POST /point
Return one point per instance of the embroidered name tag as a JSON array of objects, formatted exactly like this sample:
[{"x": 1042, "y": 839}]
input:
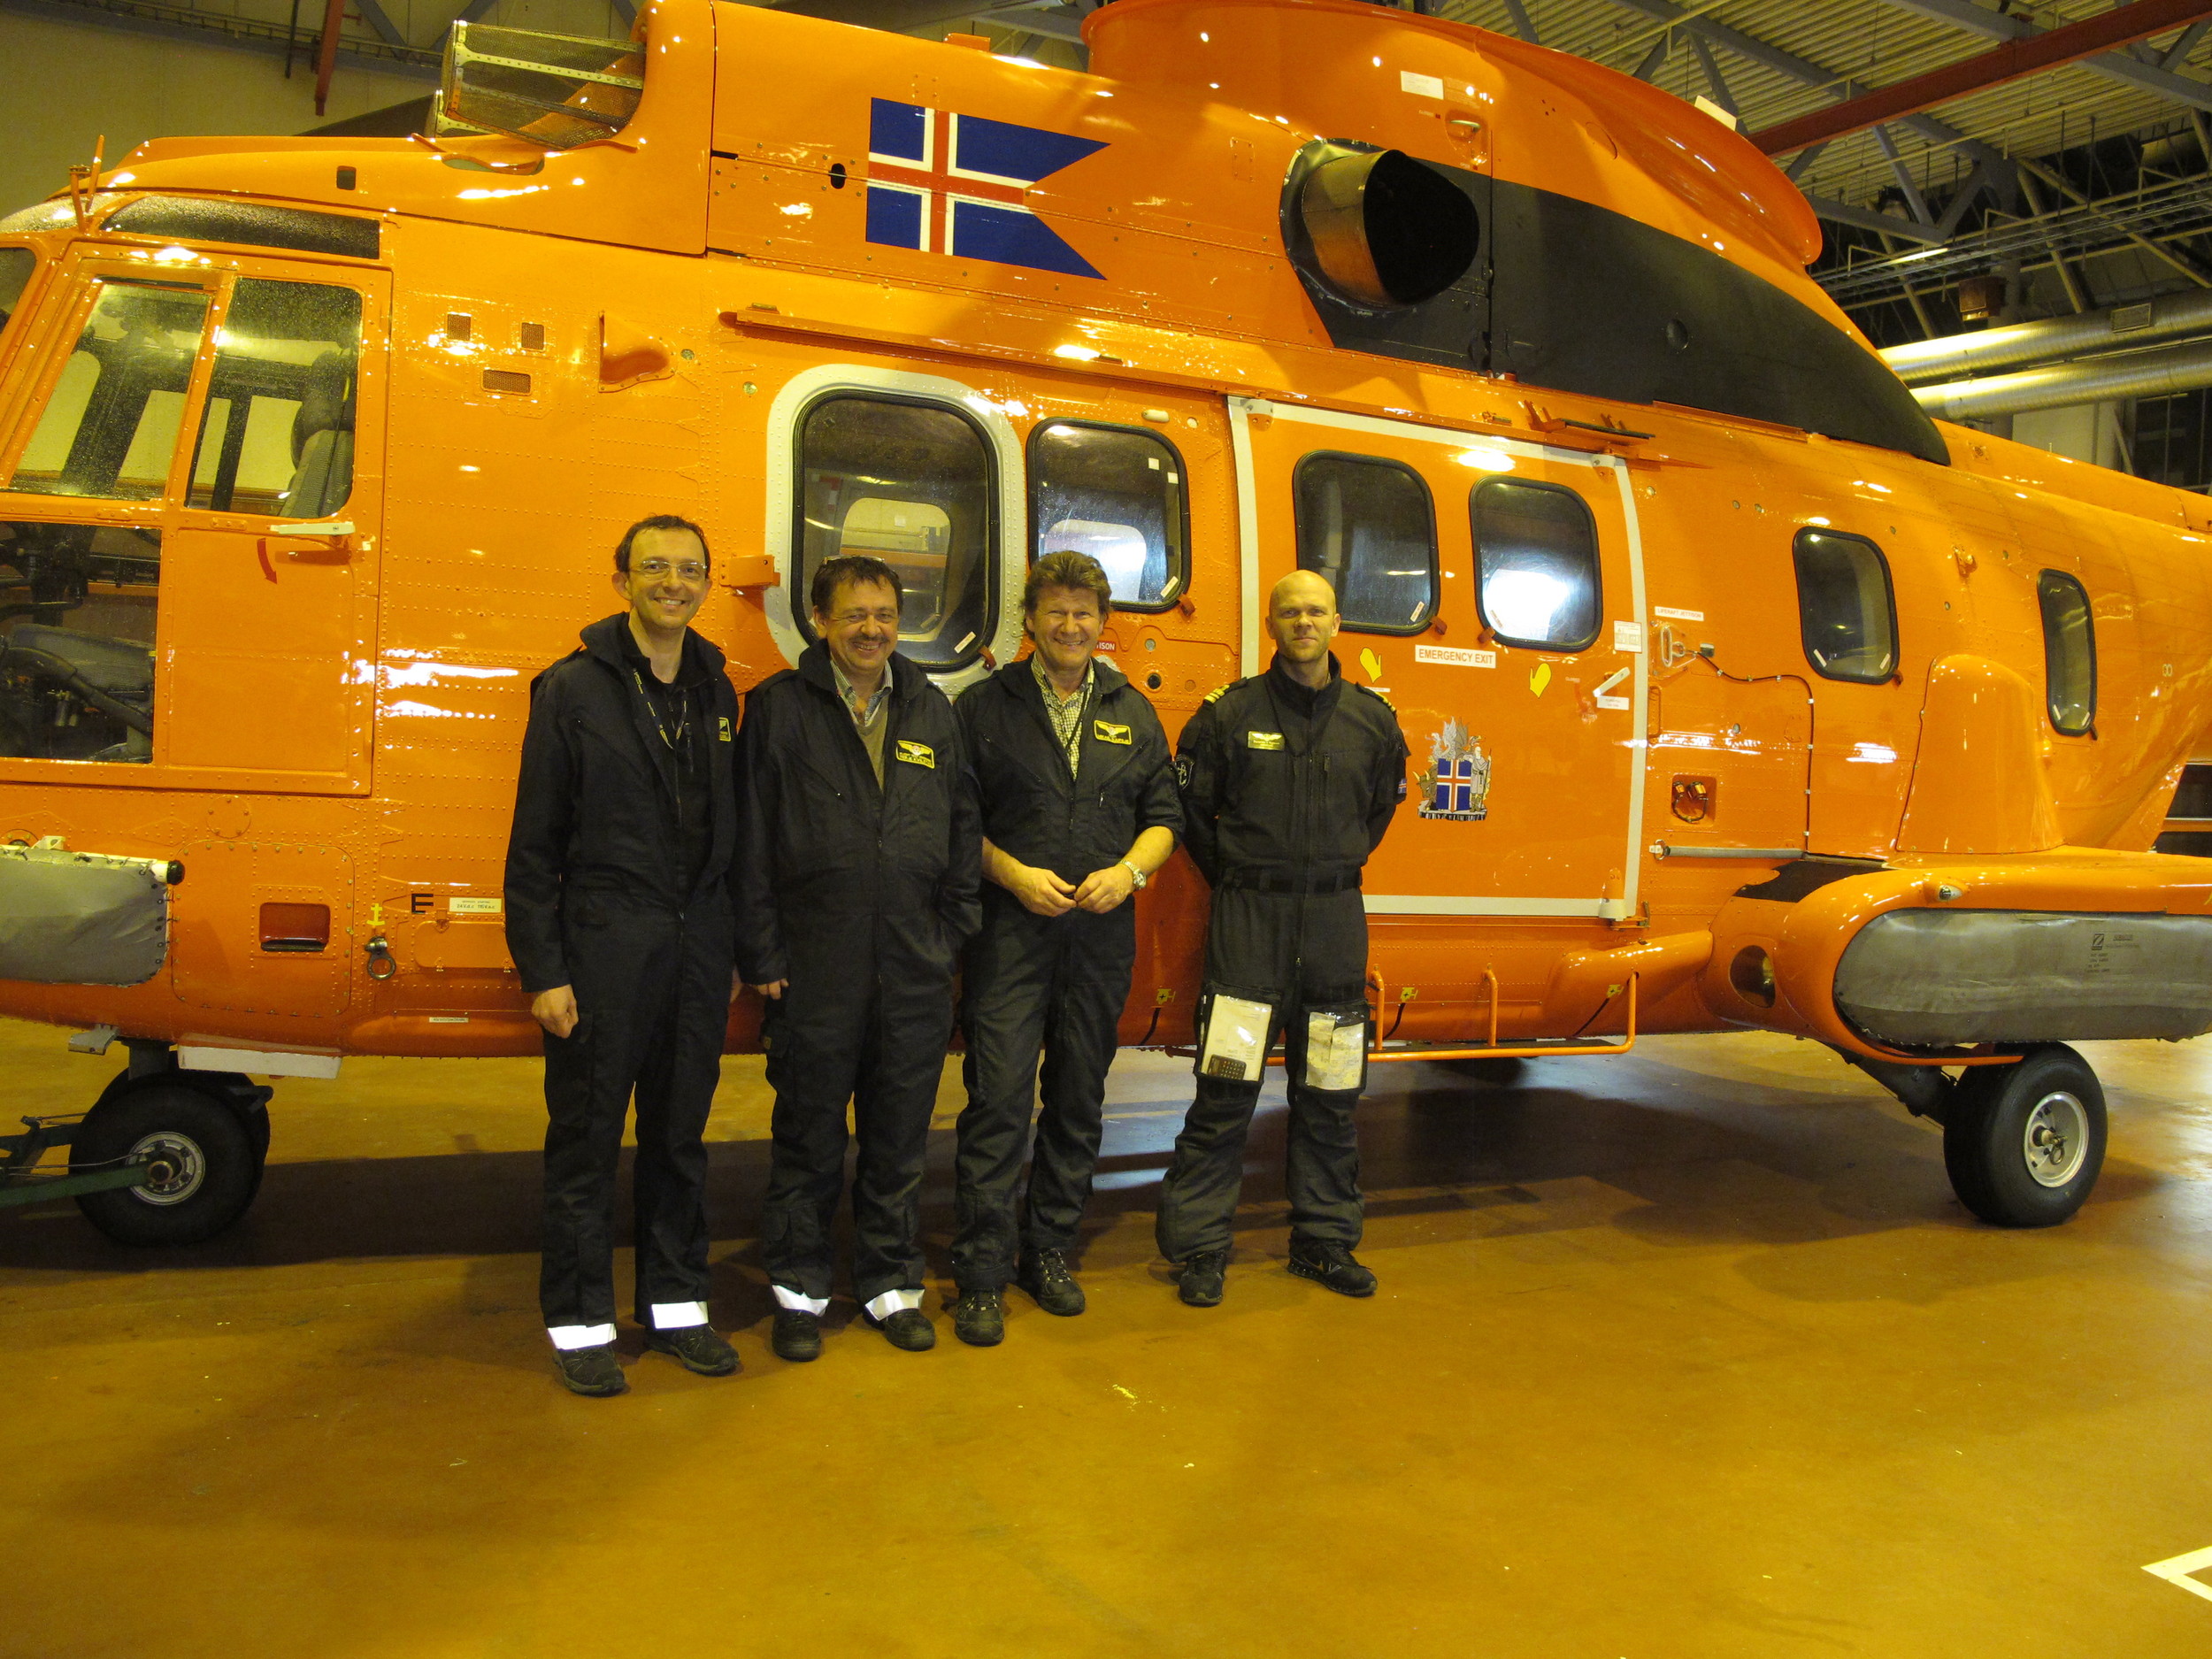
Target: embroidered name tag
[
  {"x": 1107, "y": 731},
  {"x": 1264, "y": 740},
  {"x": 916, "y": 754},
  {"x": 725, "y": 728}
]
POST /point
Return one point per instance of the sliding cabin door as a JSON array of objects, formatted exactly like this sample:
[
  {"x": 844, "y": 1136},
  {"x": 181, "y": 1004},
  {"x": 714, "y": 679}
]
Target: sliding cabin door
[{"x": 1493, "y": 591}]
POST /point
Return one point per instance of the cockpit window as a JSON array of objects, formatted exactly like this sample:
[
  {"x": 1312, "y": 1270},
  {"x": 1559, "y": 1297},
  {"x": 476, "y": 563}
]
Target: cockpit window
[
  {"x": 77, "y": 606},
  {"x": 111, "y": 424},
  {"x": 276, "y": 437},
  {"x": 16, "y": 266}
]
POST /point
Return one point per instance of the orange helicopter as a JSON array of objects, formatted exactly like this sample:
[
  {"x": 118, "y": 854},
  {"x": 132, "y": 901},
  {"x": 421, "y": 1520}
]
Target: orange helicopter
[{"x": 1742, "y": 695}]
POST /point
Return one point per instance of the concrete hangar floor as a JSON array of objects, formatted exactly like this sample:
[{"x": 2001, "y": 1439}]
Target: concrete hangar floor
[{"x": 1689, "y": 1354}]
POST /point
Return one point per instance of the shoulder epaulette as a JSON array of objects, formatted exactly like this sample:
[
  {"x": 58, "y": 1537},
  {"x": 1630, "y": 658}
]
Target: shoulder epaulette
[
  {"x": 1215, "y": 695},
  {"x": 1379, "y": 697}
]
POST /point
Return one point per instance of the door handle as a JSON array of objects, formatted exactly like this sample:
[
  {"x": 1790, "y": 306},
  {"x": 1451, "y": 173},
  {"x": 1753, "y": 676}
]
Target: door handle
[{"x": 343, "y": 528}]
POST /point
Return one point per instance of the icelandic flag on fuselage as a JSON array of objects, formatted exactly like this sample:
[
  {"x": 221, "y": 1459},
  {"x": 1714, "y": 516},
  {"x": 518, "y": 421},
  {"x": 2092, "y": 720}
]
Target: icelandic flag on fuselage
[{"x": 955, "y": 184}]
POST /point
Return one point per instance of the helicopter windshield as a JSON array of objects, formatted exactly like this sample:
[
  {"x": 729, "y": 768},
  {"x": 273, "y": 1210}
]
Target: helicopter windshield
[{"x": 16, "y": 266}]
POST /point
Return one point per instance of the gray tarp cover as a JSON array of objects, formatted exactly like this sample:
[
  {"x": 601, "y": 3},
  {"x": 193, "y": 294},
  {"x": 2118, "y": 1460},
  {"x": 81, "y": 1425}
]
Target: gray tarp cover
[
  {"x": 63, "y": 922},
  {"x": 1924, "y": 976}
]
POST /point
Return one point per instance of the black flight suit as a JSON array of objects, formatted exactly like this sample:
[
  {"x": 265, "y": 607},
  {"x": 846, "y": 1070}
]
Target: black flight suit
[
  {"x": 616, "y": 884},
  {"x": 1055, "y": 983},
  {"x": 859, "y": 895},
  {"x": 1285, "y": 793}
]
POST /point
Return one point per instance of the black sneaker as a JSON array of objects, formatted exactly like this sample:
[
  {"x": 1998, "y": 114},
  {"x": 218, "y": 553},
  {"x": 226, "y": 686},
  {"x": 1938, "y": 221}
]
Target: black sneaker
[
  {"x": 978, "y": 1318},
  {"x": 591, "y": 1370},
  {"x": 696, "y": 1349},
  {"x": 1045, "y": 1276},
  {"x": 1202, "y": 1276},
  {"x": 796, "y": 1334},
  {"x": 1330, "y": 1264},
  {"x": 909, "y": 1328}
]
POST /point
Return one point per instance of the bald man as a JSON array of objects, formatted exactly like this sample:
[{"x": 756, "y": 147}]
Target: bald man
[{"x": 1290, "y": 780}]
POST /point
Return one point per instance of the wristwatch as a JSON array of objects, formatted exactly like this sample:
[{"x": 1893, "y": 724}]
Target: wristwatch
[{"x": 1140, "y": 876}]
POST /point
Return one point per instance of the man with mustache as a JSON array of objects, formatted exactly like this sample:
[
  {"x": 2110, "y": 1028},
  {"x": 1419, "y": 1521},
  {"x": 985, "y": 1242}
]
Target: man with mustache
[{"x": 858, "y": 869}]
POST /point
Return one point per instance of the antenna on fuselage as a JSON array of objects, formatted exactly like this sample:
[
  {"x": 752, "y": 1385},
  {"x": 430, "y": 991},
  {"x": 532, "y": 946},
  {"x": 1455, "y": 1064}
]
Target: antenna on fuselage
[{"x": 84, "y": 182}]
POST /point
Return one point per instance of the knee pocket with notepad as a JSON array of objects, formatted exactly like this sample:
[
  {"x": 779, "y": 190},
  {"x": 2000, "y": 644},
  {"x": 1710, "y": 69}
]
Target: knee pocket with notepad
[
  {"x": 1335, "y": 1054},
  {"x": 1233, "y": 1028}
]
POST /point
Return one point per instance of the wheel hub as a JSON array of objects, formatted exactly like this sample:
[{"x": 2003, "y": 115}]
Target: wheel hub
[
  {"x": 175, "y": 1166},
  {"x": 2056, "y": 1139}
]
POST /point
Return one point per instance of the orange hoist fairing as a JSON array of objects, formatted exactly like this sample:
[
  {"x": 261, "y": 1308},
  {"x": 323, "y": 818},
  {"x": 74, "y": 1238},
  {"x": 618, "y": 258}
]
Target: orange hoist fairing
[{"x": 1741, "y": 693}]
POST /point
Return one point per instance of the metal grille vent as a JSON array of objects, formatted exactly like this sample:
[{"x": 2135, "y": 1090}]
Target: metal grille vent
[{"x": 559, "y": 90}]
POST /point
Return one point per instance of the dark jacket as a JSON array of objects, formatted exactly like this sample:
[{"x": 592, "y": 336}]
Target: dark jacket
[
  {"x": 1033, "y": 809},
  {"x": 823, "y": 846},
  {"x": 595, "y": 810},
  {"x": 1285, "y": 784}
]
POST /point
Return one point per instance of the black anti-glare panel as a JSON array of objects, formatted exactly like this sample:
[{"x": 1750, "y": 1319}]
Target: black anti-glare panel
[
  {"x": 1572, "y": 297},
  {"x": 249, "y": 223}
]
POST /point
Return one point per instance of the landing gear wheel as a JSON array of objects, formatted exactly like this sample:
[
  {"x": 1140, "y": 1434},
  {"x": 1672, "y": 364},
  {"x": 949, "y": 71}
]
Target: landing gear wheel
[
  {"x": 2024, "y": 1143},
  {"x": 203, "y": 1167}
]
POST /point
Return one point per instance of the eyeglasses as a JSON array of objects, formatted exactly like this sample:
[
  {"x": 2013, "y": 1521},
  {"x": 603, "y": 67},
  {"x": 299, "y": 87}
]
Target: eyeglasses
[{"x": 653, "y": 569}]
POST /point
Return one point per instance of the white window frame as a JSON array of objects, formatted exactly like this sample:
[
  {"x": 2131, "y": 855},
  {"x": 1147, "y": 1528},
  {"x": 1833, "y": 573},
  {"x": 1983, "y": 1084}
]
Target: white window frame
[{"x": 809, "y": 387}]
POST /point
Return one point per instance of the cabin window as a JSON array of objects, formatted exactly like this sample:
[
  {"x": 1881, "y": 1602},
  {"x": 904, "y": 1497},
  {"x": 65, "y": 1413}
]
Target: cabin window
[
  {"x": 110, "y": 423},
  {"x": 1116, "y": 494},
  {"x": 2070, "y": 652},
  {"x": 1366, "y": 525},
  {"x": 910, "y": 483},
  {"x": 1536, "y": 565},
  {"x": 77, "y": 613},
  {"x": 1845, "y": 607},
  {"x": 276, "y": 438}
]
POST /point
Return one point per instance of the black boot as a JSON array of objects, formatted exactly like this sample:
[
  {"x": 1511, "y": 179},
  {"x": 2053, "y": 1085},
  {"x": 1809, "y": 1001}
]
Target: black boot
[
  {"x": 696, "y": 1349},
  {"x": 796, "y": 1334},
  {"x": 1045, "y": 1276},
  {"x": 593, "y": 1371},
  {"x": 1330, "y": 1264},
  {"x": 1202, "y": 1276},
  {"x": 978, "y": 1318}
]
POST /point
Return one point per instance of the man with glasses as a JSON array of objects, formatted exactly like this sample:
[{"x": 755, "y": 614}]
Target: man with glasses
[
  {"x": 1078, "y": 810},
  {"x": 619, "y": 917},
  {"x": 858, "y": 873}
]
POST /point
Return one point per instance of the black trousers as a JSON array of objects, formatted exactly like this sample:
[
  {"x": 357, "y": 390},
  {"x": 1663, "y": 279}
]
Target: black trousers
[
  {"x": 1305, "y": 957},
  {"x": 653, "y": 1002},
  {"x": 866, "y": 1025},
  {"x": 1048, "y": 987}
]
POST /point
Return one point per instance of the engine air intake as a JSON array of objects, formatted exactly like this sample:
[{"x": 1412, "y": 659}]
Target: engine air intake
[{"x": 1379, "y": 228}]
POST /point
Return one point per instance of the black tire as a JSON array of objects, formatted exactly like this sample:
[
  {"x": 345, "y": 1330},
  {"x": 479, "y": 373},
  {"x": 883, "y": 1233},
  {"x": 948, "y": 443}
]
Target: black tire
[
  {"x": 205, "y": 1151},
  {"x": 2024, "y": 1143},
  {"x": 1498, "y": 1073}
]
